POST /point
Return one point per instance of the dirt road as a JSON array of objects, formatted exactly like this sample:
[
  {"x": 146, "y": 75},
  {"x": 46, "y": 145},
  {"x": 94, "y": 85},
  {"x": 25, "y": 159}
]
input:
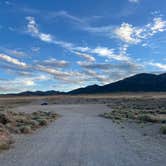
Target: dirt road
[{"x": 82, "y": 138}]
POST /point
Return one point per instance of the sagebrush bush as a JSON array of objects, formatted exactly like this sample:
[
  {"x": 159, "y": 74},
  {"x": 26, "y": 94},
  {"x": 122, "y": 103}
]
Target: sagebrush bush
[{"x": 163, "y": 129}]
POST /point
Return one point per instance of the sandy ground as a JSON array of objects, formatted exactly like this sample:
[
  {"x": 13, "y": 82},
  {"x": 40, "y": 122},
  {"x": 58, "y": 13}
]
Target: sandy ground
[{"x": 82, "y": 138}]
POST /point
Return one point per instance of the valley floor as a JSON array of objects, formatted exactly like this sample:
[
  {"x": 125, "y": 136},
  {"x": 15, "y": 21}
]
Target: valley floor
[{"x": 81, "y": 138}]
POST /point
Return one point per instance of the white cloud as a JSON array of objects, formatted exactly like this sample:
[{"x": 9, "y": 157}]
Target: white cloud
[
  {"x": 28, "y": 82},
  {"x": 52, "y": 71},
  {"x": 11, "y": 60},
  {"x": 101, "y": 78},
  {"x": 134, "y": 1},
  {"x": 65, "y": 14},
  {"x": 81, "y": 51},
  {"x": 158, "y": 25},
  {"x": 134, "y": 35},
  {"x": 86, "y": 53},
  {"x": 109, "y": 53},
  {"x": 158, "y": 65},
  {"x": 63, "y": 76},
  {"x": 35, "y": 49},
  {"x": 21, "y": 83},
  {"x": 33, "y": 29},
  {"x": 88, "y": 57},
  {"x": 128, "y": 33},
  {"x": 54, "y": 62},
  {"x": 15, "y": 52}
]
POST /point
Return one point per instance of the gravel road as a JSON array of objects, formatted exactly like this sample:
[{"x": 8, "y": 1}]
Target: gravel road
[{"x": 81, "y": 138}]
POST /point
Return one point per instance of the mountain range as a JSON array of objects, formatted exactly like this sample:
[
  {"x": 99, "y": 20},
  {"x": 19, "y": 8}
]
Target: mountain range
[{"x": 143, "y": 82}]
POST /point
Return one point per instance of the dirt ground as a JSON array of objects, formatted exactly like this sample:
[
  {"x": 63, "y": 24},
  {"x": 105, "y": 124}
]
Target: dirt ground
[
  {"x": 81, "y": 137},
  {"x": 147, "y": 102}
]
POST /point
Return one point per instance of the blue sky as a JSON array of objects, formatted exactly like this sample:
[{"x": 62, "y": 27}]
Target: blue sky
[{"x": 63, "y": 45}]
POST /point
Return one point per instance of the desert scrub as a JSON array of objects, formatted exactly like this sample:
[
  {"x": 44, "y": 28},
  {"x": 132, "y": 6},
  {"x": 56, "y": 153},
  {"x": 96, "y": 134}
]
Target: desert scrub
[
  {"x": 120, "y": 115},
  {"x": 163, "y": 130},
  {"x": 21, "y": 123},
  {"x": 25, "y": 129},
  {"x": 4, "y": 145},
  {"x": 34, "y": 124},
  {"x": 42, "y": 122},
  {"x": 153, "y": 118},
  {"x": 147, "y": 118},
  {"x": 5, "y": 138},
  {"x": 141, "y": 116}
]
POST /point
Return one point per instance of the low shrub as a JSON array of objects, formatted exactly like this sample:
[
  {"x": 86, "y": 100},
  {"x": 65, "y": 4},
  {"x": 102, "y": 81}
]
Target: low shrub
[
  {"x": 4, "y": 145},
  {"x": 21, "y": 123},
  {"x": 25, "y": 129},
  {"x": 163, "y": 130},
  {"x": 42, "y": 122},
  {"x": 146, "y": 118}
]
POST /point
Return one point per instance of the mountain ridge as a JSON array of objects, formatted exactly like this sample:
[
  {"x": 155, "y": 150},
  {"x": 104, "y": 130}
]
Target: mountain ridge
[{"x": 143, "y": 82}]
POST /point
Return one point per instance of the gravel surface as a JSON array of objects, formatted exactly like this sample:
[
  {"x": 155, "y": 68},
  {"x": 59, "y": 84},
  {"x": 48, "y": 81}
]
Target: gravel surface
[{"x": 82, "y": 138}]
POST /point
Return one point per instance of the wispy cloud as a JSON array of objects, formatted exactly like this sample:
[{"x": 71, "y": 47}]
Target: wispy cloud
[
  {"x": 108, "y": 66},
  {"x": 54, "y": 63},
  {"x": 21, "y": 83},
  {"x": 12, "y": 60},
  {"x": 65, "y": 14},
  {"x": 134, "y": 1},
  {"x": 14, "y": 52},
  {"x": 129, "y": 33},
  {"x": 109, "y": 53},
  {"x": 87, "y": 57},
  {"x": 158, "y": 65},
  {"x": 78, "y": 50},
  {"x": 90, "y": 68},
  {"x": 35, "y": 49},
  {"x": 134, "y": 35},
  {"x": 33, "y": 29}
]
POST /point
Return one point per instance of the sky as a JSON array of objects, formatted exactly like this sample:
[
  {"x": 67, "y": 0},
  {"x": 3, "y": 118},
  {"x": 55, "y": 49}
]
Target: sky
[{"x": 63, "y": 45}]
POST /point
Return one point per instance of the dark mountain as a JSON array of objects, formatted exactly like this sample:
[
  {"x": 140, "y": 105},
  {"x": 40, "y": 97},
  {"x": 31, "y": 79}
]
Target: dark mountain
[
  {"x": 138, "y": 83},
  {"x": 38, "y": 93},
  {"x": 87, "y": 90}
]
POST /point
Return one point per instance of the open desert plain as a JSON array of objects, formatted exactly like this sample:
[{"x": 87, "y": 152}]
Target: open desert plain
[
  {"x": 82, "y": 83},
  {"x": 126, "y": 129}
]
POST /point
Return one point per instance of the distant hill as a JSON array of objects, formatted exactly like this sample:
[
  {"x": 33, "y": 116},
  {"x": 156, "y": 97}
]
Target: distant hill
[
  {"x": 37, "y": 93},
  {"x": 138, "y": 83}
]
